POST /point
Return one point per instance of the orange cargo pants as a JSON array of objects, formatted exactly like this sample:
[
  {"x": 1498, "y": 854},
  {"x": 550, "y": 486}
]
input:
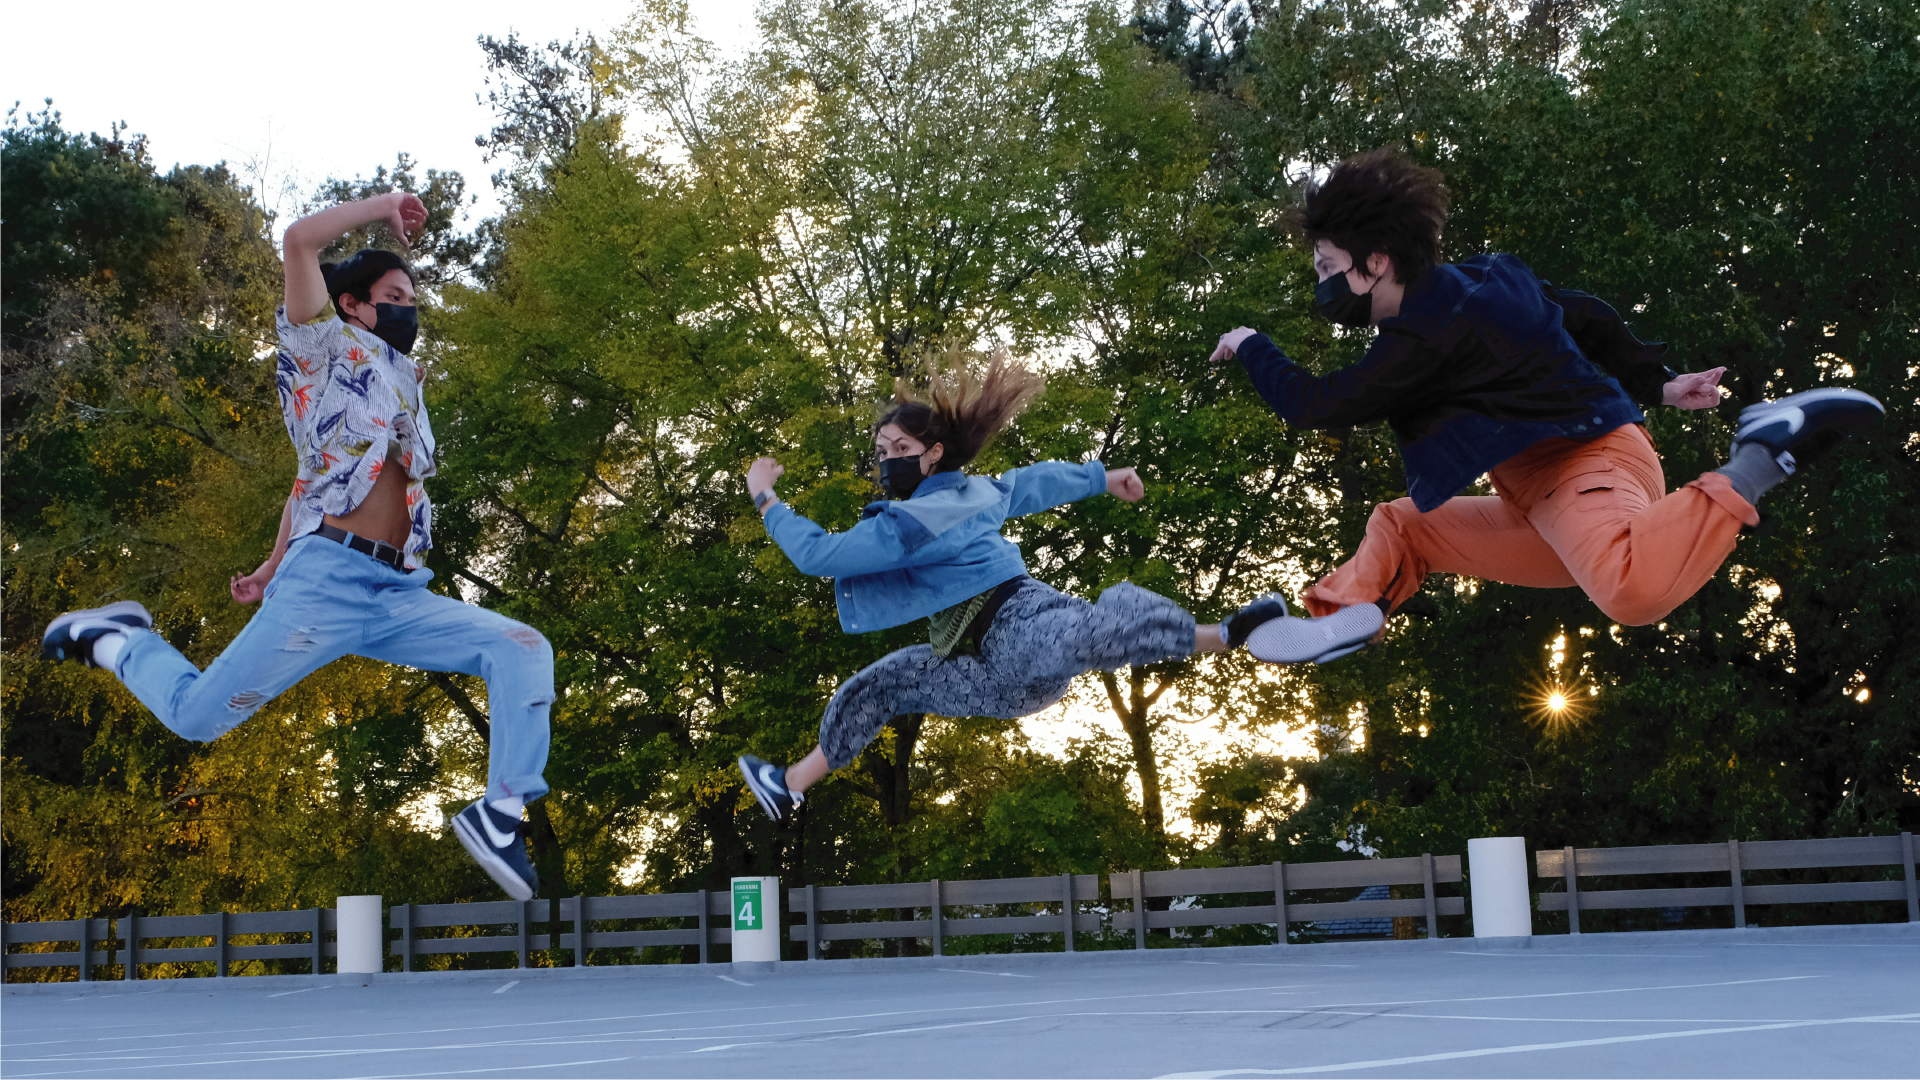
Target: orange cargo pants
[{"x": 1593, "y": 514}]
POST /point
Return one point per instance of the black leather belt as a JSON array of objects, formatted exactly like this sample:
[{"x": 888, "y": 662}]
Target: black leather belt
[
  {"x": 378, "y": 550},
  {"x": 983, "y": 621}
]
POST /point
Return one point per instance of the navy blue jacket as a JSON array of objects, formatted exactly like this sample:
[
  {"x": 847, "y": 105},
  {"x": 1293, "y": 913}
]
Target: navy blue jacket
[{"x": 1483, "y": 361}]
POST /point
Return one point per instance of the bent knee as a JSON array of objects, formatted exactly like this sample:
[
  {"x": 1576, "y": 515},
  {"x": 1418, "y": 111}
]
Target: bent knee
[{"x": 1628, "y": 609}]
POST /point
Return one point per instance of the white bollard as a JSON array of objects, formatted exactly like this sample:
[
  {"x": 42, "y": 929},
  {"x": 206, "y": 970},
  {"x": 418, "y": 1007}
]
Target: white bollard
[
  {"x": 756, "y": 919},
  {"x": 362, "y": 935},
  {"x": 1497, "y": 871}
]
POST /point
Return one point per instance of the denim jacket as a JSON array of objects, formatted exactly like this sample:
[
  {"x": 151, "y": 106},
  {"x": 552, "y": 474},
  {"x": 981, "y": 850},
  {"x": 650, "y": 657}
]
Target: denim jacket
[
  {"x": 1483, "y": 361},
  {"x": 906, "y": 560}
]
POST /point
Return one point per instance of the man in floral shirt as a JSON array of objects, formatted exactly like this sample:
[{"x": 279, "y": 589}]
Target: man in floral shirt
[{"x": 346, "y": 574}]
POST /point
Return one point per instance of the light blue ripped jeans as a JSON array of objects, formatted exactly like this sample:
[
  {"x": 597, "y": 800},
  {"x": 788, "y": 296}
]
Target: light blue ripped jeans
[{"x": 327, "y": 601}]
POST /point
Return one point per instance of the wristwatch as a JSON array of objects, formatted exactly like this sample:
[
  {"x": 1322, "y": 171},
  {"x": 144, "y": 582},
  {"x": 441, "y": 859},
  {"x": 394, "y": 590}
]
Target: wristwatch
[{"x": 761, "y": 500}]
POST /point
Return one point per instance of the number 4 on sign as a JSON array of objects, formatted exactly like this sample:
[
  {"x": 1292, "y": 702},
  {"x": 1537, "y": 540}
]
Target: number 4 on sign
[{"x": 746, "y": 913}]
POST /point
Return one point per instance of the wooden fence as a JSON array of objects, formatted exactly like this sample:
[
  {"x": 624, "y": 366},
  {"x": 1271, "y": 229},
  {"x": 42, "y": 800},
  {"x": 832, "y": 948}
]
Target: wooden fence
[
  {"x": 96, "y": 941},
  {"x": 1068, "y": 891},
  {"x": 1733, "y": 858},
  {"x": 1068, "y": 905},
  {"x": 1277, "y": 880}
]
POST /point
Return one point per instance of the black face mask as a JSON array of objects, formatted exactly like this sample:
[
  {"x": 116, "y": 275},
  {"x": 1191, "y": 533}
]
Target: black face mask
[
  {"x": 899, "y": 476},
  {"x": 1336, "y": 300},
  {"x": 397, "y": 325}
]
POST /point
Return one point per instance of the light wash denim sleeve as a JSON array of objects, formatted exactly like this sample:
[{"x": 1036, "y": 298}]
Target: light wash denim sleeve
[
  {"x": 1047, "y": 484},
  {"x": 870, "y": 547}
]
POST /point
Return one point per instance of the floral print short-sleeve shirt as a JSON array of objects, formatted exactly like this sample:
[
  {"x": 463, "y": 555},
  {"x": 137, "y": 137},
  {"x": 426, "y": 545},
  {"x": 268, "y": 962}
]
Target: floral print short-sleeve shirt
[{"x": 348, "y": 399}]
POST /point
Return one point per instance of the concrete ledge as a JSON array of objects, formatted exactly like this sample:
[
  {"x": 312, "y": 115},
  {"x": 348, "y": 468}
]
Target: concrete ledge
[{"x": 1888, "y": 934}]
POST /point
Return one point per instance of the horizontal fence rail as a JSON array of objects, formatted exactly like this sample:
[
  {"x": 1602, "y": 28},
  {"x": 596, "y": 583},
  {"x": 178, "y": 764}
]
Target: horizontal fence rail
[{"x": 1733, "y": 858}]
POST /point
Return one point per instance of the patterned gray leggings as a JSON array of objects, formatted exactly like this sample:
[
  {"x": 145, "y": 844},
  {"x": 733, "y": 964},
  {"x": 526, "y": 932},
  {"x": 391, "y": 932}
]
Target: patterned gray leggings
[{"x": 1040, "y": 640}]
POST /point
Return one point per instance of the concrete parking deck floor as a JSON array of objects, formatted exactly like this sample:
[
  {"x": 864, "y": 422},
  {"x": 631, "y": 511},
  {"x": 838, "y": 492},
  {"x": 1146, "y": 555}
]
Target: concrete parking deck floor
[{"x": 1842, "y": 1001}]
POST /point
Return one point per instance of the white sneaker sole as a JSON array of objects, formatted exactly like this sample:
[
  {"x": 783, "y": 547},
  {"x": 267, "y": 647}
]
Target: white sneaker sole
[
  {"x": 496, "y": 867},
  {"x": 1294, "y": 640}
]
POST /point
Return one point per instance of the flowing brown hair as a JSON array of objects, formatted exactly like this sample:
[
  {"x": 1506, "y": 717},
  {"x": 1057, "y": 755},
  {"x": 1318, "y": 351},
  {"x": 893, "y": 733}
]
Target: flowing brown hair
[{"x": 964, "y": 404}]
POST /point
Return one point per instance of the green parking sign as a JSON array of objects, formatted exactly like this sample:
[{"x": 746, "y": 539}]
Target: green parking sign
[{"x": 748, "y": 914}]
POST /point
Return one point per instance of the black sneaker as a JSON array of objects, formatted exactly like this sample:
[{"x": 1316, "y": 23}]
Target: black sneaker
[
  {"x": 493, "y": 839},
  {"x": 1799, "y": 427},
  {"x": 71, "y": 636},
  {"x": 768, "y": 782},
  {"x": 1293, "y": 640},
  {"x": 1235, "y": 630}
]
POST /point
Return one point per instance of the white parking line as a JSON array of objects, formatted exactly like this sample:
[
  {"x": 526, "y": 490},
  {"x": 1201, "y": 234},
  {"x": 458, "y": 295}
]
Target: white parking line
[
  {"x": 504, "y": 1068},
  {"x": 731, "y": 979},
  {"x": 1002, "y": 974},
  {"x": 509, "y": 986},
  {"x": 1528, "y": 1048}
]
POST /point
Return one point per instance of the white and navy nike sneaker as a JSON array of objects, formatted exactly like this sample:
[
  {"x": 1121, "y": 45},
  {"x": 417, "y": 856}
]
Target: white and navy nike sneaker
[
  {"x": 1798, "y": 427},
  {"x": 71, "y": 636},
  {"x": 493, "y": 839},
  {"x": 1235, "y": 630},
  {"x": 768, "y": 782},
  {"x": 1292, "y": 640}
]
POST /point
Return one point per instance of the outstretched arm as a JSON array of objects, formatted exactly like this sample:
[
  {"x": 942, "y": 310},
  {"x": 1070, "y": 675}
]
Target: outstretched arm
[{"x": 308, "y": 237}]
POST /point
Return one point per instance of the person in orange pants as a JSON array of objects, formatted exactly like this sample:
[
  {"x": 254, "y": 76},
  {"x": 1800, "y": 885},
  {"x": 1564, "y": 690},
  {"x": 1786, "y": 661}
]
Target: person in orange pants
[{"x": 1482, "y": 368}]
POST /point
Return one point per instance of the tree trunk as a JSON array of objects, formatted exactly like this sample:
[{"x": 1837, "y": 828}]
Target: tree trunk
[
  {"x": 1133, "y": 712},
  {"x": 894, "y": 781}
]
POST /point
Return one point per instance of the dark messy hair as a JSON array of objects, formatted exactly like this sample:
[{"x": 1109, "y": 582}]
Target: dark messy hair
[
  {"x": 357, "y": 273},
  {"x": 964, "y": 404},
  {"x": 1379, "y": 201}
]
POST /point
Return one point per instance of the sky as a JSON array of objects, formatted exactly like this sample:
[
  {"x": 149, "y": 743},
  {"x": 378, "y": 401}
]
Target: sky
[{"x": 285, "y": 94}]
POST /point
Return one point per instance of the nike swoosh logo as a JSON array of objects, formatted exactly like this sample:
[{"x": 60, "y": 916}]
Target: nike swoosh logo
[
  {"x": 495, "y": 836},
  {"x": 766, "y": 778},
  {"x": 1793, "y": 416}
]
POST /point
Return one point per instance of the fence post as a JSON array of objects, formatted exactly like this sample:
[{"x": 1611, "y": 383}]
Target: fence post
[
  {"x": 1139, "y": 909},
  {"x": 1280, "y": 900},
  {"x": 1427, "y": 890},
  {"x": 319, "y": 942},
  {"x": 706, "y": 934},
  {"x": 1739, "y": 899},
  {"x": 132, "y": 934},
  {"x": 1906, "y": 871},
  {"x": 521, "y": 950},
  {"x": 580, "y": 932},
  {"x": 813, "y": 922},
  {"x": 1067, "y": 905},
  {"x": 1573, "y": 889},
  {"x": 940, "y": 926},
  {"x": 220, "y": 945},
  {"x": 404, "y": 914}
]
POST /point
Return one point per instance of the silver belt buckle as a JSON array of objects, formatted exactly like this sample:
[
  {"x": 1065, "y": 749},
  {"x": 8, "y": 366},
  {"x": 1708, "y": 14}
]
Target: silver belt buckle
[{"x": 380, "y": 549}]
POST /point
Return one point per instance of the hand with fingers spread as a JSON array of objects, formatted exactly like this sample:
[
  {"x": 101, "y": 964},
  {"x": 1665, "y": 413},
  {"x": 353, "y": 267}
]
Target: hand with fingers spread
[
  {"x": 1698, "y": 390},
  {"x": 406, "y": 215},
  {"x": 1230, "y": 343}
]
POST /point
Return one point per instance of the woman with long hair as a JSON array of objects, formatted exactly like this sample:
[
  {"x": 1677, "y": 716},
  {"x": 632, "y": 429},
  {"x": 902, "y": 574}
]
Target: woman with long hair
[
  {"x": 999, "y": 642},
  {"x": 346, "y": 575}
]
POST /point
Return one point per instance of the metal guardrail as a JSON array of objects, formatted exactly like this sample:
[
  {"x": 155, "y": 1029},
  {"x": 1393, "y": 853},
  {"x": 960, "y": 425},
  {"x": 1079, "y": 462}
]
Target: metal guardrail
[{"x": 1733, "y": 858}]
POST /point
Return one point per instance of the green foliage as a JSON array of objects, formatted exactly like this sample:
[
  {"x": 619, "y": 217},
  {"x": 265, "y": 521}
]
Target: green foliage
[{"x": 789, "y": 232}]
